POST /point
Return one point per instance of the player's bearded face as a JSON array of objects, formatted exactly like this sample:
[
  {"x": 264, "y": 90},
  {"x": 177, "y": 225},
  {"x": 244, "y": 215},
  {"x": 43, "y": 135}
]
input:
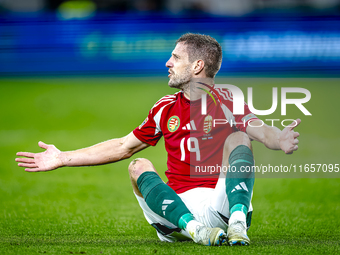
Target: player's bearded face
[
  {"x": 180, "y": 72},
  {"x": 179, "y": 79}
]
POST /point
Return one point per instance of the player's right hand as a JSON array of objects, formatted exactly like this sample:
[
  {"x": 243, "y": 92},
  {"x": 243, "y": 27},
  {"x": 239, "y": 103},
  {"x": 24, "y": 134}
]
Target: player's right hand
[{"x": 43, "y": 161}]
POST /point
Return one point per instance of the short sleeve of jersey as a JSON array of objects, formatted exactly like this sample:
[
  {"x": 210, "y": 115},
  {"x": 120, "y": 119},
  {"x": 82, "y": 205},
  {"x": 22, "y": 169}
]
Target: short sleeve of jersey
[
  {"x": 148, "y": 132},
  {"x": 240, "y": 121}
]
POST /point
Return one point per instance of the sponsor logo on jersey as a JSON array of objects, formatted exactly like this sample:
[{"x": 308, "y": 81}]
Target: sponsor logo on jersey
[
  {"x": 190, "y": 126},
  {"x": 146, "y": 120},
  {"x": 248, "y": 117},
  {"x": 173, "y": 123},
  {"x": 207, "y": 125}
]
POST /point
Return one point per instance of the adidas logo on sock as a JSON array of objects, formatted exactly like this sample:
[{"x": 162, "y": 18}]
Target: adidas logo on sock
[
  {"x": 165, "y": 204},
  {"x": 240, "y": 186}
]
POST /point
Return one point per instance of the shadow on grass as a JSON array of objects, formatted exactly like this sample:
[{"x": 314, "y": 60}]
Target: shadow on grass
[{"x": 87, "y": 241}]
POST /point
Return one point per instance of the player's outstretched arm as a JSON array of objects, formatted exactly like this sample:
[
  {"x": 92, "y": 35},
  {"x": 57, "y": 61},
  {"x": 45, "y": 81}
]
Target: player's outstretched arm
[
  {"x": 102, "y": 153},
  {"x": 274, "y": 138}
]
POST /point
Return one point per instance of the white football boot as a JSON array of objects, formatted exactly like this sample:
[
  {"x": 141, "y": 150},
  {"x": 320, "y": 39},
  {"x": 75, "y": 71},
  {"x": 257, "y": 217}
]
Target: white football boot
[
  {"x": 208, "y": 236},
  {"x": 237, "y": 230}
]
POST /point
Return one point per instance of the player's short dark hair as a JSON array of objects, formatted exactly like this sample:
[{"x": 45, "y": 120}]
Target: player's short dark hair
[{"x": 206, "y": 48}]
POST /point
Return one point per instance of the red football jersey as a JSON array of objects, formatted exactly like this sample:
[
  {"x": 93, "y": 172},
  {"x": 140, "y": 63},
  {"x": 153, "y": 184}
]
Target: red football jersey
[{"x": 194, "y": 142}]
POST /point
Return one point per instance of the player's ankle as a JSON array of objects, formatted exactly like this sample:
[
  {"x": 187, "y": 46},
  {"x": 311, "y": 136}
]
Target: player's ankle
[
  {"x": 237, "y": 216},
  {"x": 239, "y": 207},
  {"x": 192, "y": 226},
  {"x": 184, "y": 220}
]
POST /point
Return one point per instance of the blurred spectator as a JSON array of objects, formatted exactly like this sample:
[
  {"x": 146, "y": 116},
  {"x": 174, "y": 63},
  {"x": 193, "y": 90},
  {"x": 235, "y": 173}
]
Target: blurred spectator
[
  {"x": 285, "y": 4},
  {"x": 217, "y": 7},
  {"x": 322, "y": 4},
  {"x": 76, "y": 9},
  {"x": 23, "y": 5}
]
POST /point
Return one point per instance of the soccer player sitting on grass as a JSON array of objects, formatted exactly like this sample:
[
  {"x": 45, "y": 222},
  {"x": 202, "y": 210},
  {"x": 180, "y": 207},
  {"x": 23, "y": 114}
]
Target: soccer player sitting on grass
[{"x": 210, "y": 208}]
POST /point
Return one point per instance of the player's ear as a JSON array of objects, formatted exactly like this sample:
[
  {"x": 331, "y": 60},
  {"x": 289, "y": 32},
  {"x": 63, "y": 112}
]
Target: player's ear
[{"x": 198, "y": 66}]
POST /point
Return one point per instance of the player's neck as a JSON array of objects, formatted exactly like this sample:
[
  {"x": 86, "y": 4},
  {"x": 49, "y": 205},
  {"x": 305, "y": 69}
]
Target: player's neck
[{"x": 195, "y": 88}]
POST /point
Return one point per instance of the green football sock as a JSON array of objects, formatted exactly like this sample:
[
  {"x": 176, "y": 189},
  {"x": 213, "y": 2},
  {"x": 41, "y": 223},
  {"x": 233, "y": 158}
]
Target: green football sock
[
  {"x": 239, "y": 183},
  {"x": 163, "y": 200},
  {"x": 239, "y": 207}
]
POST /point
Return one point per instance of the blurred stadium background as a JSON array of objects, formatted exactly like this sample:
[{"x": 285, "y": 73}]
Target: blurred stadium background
[
  {"x": 74, "y": 73},
  {"x": 267, "y": 37}
]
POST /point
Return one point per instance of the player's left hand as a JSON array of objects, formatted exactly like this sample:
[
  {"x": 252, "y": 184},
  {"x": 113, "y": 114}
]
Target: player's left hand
[{"x": 288, "y": 138}]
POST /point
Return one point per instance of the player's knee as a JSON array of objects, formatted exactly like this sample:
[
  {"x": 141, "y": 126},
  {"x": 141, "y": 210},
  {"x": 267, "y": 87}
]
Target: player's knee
[
  {"x": 139, "y": 166},
  {"x": 236, "y": 139}
]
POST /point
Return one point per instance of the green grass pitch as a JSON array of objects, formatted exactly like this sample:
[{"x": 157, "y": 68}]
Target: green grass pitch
[{"x": 92, "y": 210}]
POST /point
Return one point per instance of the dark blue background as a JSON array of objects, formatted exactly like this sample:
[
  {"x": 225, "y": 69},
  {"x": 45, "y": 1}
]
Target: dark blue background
[{"x": 141, "y": 44}]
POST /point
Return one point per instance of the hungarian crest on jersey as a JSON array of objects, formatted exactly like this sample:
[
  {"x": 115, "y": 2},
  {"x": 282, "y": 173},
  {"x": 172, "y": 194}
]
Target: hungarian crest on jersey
[
  {"x": 173, "y": 123},
  {"x": 207, "y": 126}
]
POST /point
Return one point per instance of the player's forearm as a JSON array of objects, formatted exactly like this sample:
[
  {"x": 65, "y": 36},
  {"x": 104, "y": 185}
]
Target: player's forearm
[
  {"x": 102, "y": 153},
  {"x": 272, "y": 138},
  {"x": 269, "y": 136}
]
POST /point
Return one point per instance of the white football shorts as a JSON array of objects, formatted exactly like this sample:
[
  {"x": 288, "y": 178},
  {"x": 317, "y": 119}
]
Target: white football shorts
[{"x": 209, "y": 206}]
